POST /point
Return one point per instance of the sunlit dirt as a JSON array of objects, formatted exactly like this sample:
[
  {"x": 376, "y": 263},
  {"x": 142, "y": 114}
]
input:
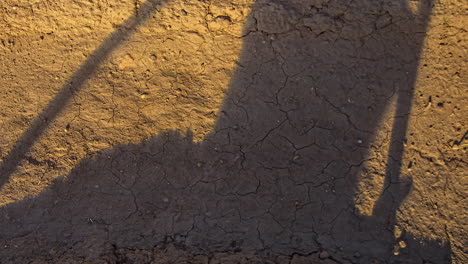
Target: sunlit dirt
[{"x": 175, "y": 73}]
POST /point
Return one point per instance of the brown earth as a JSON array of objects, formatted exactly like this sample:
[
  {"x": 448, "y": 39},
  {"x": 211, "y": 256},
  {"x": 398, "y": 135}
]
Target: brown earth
[{"x": 215, "y": 131}]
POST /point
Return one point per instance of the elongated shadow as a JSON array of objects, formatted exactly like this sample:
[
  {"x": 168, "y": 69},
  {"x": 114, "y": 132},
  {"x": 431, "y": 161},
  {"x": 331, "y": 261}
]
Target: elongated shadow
[
  {"x": 395, "y": 187},
  {"x": 73, "y": 86}
]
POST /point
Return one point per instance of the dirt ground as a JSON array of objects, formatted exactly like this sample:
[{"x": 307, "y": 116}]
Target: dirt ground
[{"x": 243, "y": 131}]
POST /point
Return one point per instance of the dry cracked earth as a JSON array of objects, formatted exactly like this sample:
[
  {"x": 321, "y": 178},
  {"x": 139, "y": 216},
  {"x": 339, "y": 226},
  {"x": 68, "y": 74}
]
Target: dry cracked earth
[{"x": 216, "y": 131}]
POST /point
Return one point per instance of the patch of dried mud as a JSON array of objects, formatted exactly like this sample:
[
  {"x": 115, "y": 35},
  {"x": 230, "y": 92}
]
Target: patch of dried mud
[{"x": 303, "y": 126}]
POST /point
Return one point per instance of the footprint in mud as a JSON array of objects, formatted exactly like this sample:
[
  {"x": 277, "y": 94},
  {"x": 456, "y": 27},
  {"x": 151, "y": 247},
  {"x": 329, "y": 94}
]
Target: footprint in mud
[{"x": 279, "y": 171}]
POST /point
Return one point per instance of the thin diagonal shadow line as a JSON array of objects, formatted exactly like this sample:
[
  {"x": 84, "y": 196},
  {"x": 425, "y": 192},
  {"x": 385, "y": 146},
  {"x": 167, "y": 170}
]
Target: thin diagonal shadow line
[{"x": 72, "y": 86}]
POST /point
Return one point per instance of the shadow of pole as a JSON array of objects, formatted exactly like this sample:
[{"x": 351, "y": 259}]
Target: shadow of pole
[{"x": 74, "y": 85}]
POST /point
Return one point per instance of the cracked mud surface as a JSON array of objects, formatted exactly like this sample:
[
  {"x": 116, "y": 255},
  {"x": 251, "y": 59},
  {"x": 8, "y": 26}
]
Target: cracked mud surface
[{"x": 303, "y": 131}]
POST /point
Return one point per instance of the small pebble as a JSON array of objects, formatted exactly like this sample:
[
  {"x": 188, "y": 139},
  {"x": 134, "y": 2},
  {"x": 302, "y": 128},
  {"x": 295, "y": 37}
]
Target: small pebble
[
  {"x": 402, "y": 244},
  {"x": 324, "y": 255}
]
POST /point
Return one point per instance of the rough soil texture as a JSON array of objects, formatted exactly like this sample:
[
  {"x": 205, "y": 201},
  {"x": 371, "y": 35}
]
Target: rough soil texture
[{"x": 215, "y": 131}]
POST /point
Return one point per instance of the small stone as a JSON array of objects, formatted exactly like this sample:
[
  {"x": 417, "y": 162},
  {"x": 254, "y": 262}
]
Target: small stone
[
  {"x": 383, "y": 21},
  {"x": 324, "y": 255},
  {"x": 397, "y": 232},
  {"x": 402, "y": 244},
  {"x": 359, "y": 141}
]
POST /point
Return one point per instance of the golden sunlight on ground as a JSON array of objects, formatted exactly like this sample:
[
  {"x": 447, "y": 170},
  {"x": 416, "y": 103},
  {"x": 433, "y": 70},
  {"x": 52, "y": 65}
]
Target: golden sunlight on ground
[
  {"x": 431, "y": 142},
  {"x": 171, "y": 74}
]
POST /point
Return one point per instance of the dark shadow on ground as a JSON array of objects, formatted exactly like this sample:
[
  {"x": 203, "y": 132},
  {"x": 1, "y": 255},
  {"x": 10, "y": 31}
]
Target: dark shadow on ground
[{"x": 278, "y": 173}]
